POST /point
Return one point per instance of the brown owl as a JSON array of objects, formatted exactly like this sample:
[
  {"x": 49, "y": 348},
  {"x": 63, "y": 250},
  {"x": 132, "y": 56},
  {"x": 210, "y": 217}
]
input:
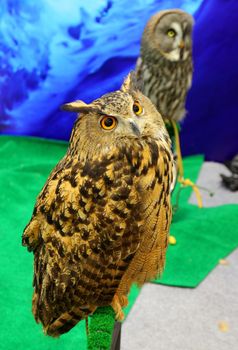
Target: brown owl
[
  {"x": 101, "y": 221},
  {"x": 165, "y": 66}
]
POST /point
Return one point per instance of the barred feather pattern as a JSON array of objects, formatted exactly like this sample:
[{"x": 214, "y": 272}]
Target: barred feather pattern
[{"x": 165, "y": 82}]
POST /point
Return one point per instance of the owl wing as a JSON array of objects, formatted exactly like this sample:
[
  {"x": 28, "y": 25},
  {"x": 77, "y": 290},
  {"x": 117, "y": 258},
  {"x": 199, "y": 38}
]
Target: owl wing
[
  {"x": 155, "y": 176},
  {"x": 157, "y": 216},
  {"x": 84, "y": 232}
]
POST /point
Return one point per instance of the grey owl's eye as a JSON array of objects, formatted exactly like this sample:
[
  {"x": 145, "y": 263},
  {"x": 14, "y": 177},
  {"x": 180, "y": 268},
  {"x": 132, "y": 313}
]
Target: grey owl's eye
[{"x": 171, "y": 33}]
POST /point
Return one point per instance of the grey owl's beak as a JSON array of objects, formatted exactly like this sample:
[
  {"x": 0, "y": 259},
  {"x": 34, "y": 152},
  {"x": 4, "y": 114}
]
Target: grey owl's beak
[{"x": 182, "y": 44}]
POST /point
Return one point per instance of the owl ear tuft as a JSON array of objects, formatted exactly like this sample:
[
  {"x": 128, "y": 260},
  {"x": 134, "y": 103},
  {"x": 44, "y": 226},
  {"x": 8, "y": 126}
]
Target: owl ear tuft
[
  {"x": 131, "y": 83},
  {"x": 126, "y": 86},
  {"x": 76, "y": 106}
]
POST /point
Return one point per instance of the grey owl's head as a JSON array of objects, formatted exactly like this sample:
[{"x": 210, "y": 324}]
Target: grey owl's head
[{"x": 170, "y": 33}]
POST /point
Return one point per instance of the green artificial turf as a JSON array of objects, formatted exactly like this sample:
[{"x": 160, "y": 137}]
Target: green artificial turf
[{"x": 203, "y": 236}]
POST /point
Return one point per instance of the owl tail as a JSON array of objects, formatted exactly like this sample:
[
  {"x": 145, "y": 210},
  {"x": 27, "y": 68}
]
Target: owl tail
[{"x": 67, "y": 320}]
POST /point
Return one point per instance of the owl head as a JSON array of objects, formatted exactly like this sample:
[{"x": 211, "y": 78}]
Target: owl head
[
  {"x": 115, "y": 118},
  {"x": 170, "y": 33}
]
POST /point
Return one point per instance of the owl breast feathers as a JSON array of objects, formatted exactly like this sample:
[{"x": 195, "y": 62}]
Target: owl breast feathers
[{"x": 101, "y": 221}]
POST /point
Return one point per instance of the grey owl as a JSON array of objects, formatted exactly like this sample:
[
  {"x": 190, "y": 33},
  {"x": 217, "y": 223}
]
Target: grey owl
[{"x": 165, "y": 66}]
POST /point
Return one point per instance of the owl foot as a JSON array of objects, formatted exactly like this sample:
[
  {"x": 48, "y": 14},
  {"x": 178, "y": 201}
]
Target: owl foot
[
  {"x": 123, "y": 300},
  {"x": 117, "y": 307}
]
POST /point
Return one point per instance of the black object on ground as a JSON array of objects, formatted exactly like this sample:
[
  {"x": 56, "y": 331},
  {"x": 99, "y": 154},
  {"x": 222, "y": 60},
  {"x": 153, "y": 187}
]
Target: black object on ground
[{"x": 231, "y": 182}]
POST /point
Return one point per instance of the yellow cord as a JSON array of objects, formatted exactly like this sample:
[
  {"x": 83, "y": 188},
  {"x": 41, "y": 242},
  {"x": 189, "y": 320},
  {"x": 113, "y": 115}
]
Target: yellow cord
[
  {"x": 184, "y": 182},
  {"x": 178, "y": 149}
]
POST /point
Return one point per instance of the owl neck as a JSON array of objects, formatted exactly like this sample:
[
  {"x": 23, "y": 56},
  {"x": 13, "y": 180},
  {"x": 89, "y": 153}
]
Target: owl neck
[
  {"x": 152, "y": 57},
  {"x": 85, "y": 150}
]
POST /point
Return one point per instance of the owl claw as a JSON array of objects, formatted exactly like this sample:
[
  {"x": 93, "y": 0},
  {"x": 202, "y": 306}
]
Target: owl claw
[
  {"x": 117, "y": 307},
  {"x": 123, "y": 300}
]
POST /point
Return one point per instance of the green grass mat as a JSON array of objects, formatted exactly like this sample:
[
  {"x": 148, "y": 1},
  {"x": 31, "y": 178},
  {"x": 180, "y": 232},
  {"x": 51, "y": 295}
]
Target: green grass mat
[
  {"x": 25, "y": 164},
  {"x": 204, "y": 235}
]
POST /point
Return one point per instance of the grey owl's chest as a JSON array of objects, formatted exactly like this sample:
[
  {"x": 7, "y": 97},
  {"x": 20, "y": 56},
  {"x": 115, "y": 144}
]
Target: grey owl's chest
[{"x": 167, "y": 85}]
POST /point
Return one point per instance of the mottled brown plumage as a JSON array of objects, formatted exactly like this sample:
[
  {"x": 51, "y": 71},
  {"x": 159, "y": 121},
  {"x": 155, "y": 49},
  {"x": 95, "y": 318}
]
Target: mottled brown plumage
[
  {"x": 165, "y": 65},
  {"x": 101, "y": 221}
]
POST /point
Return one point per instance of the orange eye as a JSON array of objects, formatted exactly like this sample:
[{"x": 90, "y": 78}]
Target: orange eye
[
  {"x": 137, "y": 108},
  {"x": 108, "y": 123}
]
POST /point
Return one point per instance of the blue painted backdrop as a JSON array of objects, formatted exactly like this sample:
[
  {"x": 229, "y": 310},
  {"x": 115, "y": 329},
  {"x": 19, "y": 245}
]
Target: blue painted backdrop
[{"x": 53, "y": 52}]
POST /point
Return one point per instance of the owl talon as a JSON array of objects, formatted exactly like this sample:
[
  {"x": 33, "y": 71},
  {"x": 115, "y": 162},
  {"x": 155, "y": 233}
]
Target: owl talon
[
  {"x": 123, "y": 300},
  {"x": 117, "y": 307}
]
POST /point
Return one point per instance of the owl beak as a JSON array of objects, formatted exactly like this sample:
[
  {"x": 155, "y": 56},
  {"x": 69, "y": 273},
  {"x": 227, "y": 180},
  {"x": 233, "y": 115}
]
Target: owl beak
[
  {"x": 134, "y": 128},
  {"x": 182, "y": 44}
]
